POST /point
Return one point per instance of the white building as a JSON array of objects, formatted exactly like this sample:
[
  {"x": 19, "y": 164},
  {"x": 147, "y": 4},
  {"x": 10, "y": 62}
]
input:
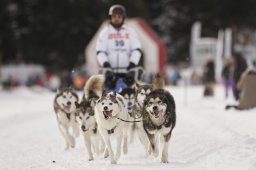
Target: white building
[{"x": 204, "y": 48}]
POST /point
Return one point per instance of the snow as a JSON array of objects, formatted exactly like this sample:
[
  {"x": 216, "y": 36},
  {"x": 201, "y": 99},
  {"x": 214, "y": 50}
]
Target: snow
[{"x": 206, "y": 137}]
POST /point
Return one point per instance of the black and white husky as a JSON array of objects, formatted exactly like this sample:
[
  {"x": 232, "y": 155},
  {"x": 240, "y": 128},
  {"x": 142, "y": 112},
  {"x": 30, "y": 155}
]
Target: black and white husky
[
  {"x": 159, "y": 118},
  {"x": 64, "y": 107},
  {"x": 110, "y": 110},
  {"x": 92, "y": 138},
  {"x": 129, "y": 96}
]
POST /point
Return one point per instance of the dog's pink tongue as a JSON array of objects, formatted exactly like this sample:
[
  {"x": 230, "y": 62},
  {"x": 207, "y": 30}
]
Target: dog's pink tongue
[
  {"x": 161, "y": 117},
  {"x": 67, "y": 108},
  {"x": 108, "y": 113},
  {"x": 156, "y": 112}
]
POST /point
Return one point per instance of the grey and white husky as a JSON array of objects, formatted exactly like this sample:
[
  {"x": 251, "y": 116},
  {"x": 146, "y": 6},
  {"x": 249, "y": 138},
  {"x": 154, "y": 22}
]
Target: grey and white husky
[
  {"x": 64, "y": 107},
  {"x": 134, "y": 111},
  {"x": 89, "y": 128}
]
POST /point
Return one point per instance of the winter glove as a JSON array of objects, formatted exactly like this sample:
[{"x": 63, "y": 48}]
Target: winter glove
[
  {"x": 129, "y": 78},
  {"x": 106, "y": 65},
  {"x": 109, "y": 76}
]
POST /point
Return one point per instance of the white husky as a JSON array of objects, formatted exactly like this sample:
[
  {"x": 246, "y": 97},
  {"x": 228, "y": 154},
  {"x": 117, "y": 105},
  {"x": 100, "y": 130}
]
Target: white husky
[
  {"x": 64, "y": 107},
  {"x": 109, "y": 109}
]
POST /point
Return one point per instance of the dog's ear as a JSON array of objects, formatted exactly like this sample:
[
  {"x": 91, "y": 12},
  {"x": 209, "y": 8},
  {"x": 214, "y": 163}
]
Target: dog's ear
[
  {"x": 60, "y": 89},
  {"x": 93, "y": 101},
  {"x": 104, "y": 93},
  {"x": 77, "y": 104},
  {"x": 91, "y": 113},
  {"x": 133, "y": 89},
  {"x": 87, "y": 103},
  {"x": 114, "y": 94},
  {"x": 71, "y": 88},
  {"x": 137, "y": 85},
  {"x": 113, "y": 97},
  {"x": 121, "y": 101},
  {"x": 76, "y": 113},
  {"x": 83, "y": 98}
]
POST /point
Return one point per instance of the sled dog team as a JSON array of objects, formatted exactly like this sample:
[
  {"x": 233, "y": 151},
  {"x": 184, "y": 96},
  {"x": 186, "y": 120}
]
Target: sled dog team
[{"x": 107, "y": 118}]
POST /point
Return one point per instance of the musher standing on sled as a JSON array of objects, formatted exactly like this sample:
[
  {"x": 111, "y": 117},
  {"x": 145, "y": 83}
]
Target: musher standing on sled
[{"x": 118, "y": 51}]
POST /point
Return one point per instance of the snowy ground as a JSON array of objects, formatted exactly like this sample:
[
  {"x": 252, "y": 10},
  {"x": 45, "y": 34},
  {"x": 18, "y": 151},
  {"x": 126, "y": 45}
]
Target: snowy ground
[{"x": 206, "y": 136}]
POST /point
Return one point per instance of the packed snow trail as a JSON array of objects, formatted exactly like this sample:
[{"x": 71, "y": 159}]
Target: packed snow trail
[{"x": 205, "y": 137}]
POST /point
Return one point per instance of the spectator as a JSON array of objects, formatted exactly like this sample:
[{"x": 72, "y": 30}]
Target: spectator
[
  {"x": 240, "y": 67},
  {"x": 246, "y": 85},
  {"x": 227, "y": 75},
  {"x": 209, "y": 78}
]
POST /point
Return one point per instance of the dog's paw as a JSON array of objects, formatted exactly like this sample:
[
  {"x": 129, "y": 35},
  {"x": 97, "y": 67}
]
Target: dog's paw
[
  {"x": 164, "y": 160},
  {"x": 113, "y": 161},
  {"x": 72, "y": 142},
  {"x": 90, "y": 159},
  {"x": 73, "y": 145},
  {"x": 147, "y": 153},
  {"x": 106, "y": 153}
]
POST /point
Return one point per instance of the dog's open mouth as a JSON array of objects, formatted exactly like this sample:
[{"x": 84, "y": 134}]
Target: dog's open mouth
[
  {"x": 157, "y": 113},
  {"x": 66, "y": 107},
  {"x": 107, "y": 113}
]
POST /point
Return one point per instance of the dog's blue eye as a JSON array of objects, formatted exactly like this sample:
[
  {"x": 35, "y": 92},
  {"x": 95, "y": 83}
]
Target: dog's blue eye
[
  {"x": 110, "y": 103},
  {"x": 102, "y": 103},
  {"x": 150, "y": 103}
]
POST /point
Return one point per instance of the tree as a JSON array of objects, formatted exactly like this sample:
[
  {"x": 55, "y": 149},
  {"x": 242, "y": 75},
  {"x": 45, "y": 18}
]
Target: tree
[{"x": 173, "y": 20}]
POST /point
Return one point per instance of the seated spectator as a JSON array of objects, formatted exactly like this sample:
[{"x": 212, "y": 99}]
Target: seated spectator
[{"x": 246, "y": 86}]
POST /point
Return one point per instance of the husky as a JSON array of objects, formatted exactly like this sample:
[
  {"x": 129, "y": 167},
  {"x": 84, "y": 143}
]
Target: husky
[
  {"x": 64, "y": 107},
  {"x": 94, "y": 86},
  {"x": 89, "y": 128},
  {"x": 159, "y": 117},
  {"x": 158, "y": 82},
  {"x": 141, "y": 93},
  {"x": 110, "y": 110},
  {"x": 129, "y": 96},
  {"x": 135, "y": 115}
]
